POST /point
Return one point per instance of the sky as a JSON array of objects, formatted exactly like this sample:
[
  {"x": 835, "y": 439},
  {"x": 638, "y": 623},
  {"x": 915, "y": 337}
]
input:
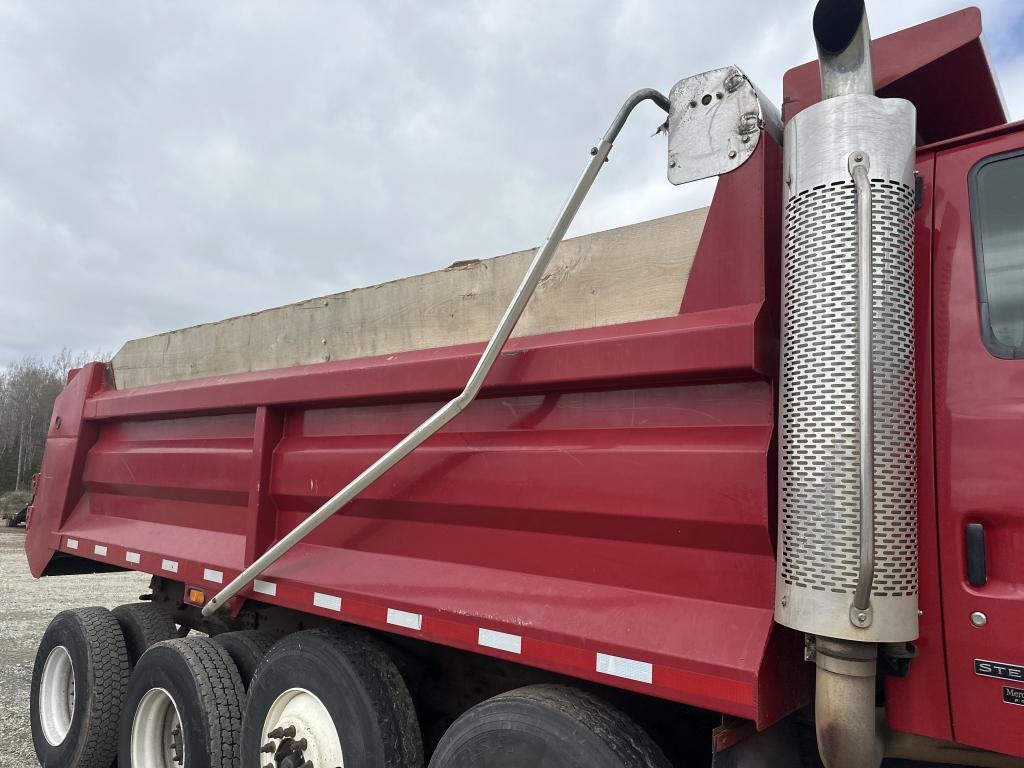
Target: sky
[{"x": 164, "y": 164}]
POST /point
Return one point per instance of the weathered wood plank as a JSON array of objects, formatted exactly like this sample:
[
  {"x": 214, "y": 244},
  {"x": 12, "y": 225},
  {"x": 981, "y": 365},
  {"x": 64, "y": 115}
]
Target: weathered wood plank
[{"x": 638, "y": 272}]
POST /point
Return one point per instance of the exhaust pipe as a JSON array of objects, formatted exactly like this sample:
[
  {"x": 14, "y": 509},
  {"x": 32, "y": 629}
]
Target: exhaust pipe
[
  {"x": 847, "y": 566},
  {"x": 844, "y": 48}
]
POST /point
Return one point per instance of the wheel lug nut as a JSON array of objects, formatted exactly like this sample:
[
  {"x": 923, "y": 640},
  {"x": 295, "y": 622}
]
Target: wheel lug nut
[
  {"x": 277, "y": 733},
  {"x": 269, "y": 747},
  {"x": 289, "y": 732},
  {"x": 299, "y": 744}
]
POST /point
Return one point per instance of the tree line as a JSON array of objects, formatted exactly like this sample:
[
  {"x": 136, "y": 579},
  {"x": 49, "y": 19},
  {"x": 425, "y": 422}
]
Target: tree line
[{"x": 27, "y": 391}]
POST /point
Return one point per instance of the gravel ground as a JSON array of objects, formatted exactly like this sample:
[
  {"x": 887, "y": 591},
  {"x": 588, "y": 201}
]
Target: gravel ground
[{"x": 26, "y": 607}]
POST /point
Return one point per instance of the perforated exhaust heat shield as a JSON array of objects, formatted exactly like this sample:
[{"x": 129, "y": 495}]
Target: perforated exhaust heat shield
[{"x": 821, "y": 541}]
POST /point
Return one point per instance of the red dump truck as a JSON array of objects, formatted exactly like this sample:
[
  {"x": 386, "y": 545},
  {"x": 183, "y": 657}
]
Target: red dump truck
[{"x": 743, "y": 476}]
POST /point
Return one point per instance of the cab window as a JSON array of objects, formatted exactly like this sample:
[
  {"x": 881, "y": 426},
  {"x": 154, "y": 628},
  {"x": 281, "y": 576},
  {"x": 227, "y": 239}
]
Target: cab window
[{"x": 997, "y": 205}]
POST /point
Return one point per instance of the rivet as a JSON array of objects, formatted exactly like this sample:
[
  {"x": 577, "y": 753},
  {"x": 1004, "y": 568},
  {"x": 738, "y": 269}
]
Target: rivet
[
  {"x": 785, "y": 601},
  {"x": 746, "y": 139},
  {"x": 732, "y": 153},
  {"x": 862, "y": 617},
  {"x": 671, "y": 163},
  {"x": 323, "y": 341},
  {"x": 858, "y": 158},
  {"x": 979, "y": 619}
]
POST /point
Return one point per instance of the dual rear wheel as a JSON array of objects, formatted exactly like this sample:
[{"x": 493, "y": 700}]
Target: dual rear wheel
[{"x": 315, "y": 699}]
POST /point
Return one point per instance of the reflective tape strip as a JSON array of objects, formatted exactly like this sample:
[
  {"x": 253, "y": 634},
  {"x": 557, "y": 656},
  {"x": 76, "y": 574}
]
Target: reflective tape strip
[
  {"x": 169, "y": 565},
  {"x": 132, "y": 557},
  {"x": 405, "y": 619},
  {"x": 72, "y": 543},
  {"x": 630, "y": 669},
  {"x": 264, "y": 587},
  {"x": 330, "y": 602},
  {"x": 99, "y": 549},
  {"x": 502, "y": 641},
  {"x": 211, "y": 575}
]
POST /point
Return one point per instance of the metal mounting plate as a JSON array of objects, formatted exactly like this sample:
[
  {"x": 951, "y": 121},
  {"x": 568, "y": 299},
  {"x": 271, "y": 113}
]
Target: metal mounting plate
[{"x": 715, "y": 124}]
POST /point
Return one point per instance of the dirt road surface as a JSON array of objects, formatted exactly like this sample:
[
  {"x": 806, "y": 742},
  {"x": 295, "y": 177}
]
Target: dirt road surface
[{"x": 26, "y": 607}]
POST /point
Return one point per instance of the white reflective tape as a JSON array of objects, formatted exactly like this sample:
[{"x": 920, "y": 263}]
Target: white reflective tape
[
  {"x": 169, "y": 565},
  {"x": 500, "y": 640},
  {"x": 630, "y": 669},
  {"x": 405, "y": 619},
  {"x": 211, "y": 575},
  {"x": 264, "y": 587},
  {"x": 132, "y": 557},
  {"x": 330, "y": 602},
  {"x": 99, "y": 549},
  {"x": 72, "y": 543}
]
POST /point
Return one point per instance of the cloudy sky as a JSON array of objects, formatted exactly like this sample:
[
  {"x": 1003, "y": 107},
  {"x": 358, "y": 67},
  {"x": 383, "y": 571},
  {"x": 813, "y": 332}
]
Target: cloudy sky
[{"x": 164, "y": 164}]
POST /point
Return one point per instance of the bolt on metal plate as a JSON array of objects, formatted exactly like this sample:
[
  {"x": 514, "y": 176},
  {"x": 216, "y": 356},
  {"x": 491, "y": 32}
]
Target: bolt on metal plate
[{"x": 715, "y": 123}]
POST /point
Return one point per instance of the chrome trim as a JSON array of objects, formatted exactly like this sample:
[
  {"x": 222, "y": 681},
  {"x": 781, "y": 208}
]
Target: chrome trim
[{"x": 860, "y": 610}]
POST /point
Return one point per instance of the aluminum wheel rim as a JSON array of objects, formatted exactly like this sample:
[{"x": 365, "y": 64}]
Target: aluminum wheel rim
[
  {"x": 157, "y": 737},
  {"x": 57, "y": 696},
  {"x": 302, "y": 710}
]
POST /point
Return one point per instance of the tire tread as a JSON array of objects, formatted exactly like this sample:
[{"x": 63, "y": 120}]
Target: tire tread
[
  {"x": 107, "y": 685},
  {"x": 247, "y": 648},
  {"x": 221, "y": 693},
  {"x": 630, "y": 744},
  {"x": 395, "y": 713},
  {"x": 143, "y": 625}
]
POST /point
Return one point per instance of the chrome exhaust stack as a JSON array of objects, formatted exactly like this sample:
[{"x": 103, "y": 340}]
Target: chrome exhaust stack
[
  {"x": 847, "y": 566},
  {"x": 844, "y": 48}
]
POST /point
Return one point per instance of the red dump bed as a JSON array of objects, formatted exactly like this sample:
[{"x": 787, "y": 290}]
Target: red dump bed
[{"x": 604, "y": 510}]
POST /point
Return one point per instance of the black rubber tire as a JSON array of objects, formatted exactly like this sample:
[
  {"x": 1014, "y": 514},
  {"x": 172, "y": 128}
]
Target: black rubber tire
[
  {"x": 246, "y": 648},
  {"x": 356, "y": 681},
  {"x": 204, "y": 684},
  {"x": 94, "y": 642},
  {"x": 143, "y": 625},
  {"x": 546, "y": 726}
]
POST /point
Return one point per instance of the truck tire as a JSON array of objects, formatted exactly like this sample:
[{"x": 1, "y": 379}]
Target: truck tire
[
  {"x": 551, "y": 725},
  {"x": 184, "y": 702},
  {"x": 143, "y": 625},
  {"x": 78, "y": 687},
  {"x": 246, "y": 648},
  {"x": 333, "y": 697}
]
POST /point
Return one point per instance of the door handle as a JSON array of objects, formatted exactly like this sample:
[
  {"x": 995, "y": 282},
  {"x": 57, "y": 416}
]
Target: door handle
[{"x": 977, "y": 567}]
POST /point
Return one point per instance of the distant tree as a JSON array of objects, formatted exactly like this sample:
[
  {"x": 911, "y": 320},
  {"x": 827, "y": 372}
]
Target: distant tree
[{"x": 27, "y": 391}]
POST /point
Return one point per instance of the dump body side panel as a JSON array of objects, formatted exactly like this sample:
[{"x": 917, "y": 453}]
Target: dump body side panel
[{"x": 605, "y": 509}]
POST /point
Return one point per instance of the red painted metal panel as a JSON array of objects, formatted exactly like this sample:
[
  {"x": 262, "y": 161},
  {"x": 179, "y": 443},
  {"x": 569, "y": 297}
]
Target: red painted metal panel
[
  {"x": 919, "y": 702},
  {"x": 979, "y": 429},
  {"x": 716, "y": 344},
  {"x": 609, "y": 500}
]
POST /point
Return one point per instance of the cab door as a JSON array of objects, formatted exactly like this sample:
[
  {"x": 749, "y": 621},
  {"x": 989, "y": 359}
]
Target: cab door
[{"x": 978, "y": 328}]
